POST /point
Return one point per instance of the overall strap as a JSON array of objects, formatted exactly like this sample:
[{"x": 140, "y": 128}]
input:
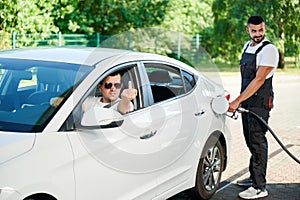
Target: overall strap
[
  {"x": 247, "y": 46},
  {"x": 262, "y": 46},
  {"x": 259, "y": 49}
]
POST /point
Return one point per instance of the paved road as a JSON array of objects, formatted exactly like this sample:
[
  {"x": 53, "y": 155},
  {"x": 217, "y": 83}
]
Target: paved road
[{"x": 283, "y": 173}]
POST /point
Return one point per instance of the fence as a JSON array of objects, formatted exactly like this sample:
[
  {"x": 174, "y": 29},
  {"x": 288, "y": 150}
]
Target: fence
[
  {"x": 25, "y": 40},
  {"x": 179, "y": 46},
  {"x": 15, "y": 40},
  {"x": 186, "y": 48}
]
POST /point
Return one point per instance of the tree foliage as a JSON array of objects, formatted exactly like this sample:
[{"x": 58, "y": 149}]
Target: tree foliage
[
  {"x": 108, "y": 17},
  {"x": 188, "y": 16},
  {"x": 31, "y": 16},
  {"x": 221, "y": 23},
  {"x": 80, "y": 16},
  {"x": 230, "y": 17}
]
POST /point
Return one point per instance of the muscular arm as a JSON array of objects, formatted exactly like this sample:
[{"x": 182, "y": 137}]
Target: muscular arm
[{"x": 254, "y": 85}]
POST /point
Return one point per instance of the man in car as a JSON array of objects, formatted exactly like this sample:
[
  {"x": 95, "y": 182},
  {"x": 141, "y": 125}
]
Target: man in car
[{"x": 110, "y": 88}]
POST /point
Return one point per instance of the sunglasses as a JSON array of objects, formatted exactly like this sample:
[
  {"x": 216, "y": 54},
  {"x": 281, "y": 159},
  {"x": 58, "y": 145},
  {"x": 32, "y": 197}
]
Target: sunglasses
[{"x": 109, "y": 85}]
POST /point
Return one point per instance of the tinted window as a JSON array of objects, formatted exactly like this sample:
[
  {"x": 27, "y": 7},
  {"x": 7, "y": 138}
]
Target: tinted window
[
  {"x": 166, "y": 81},
  {"x": 189, "y": 81}
]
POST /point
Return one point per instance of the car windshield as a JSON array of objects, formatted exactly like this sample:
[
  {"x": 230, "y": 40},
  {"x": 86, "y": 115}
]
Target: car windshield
[{"x": 32, "y": 91}]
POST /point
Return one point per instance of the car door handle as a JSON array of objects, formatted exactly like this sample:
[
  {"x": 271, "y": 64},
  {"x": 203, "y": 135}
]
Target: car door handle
[
  {"x": 148, "y": 135},
  {"x": 200, "y": 113}
]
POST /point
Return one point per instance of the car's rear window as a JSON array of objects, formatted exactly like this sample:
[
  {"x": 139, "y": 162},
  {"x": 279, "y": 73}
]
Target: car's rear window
[{"x": 31, "y": 91}]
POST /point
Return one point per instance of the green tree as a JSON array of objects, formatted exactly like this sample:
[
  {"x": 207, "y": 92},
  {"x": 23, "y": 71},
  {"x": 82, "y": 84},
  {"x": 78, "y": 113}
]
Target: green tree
[
  {"x": 230, "y": 16},
  {"x": 80, "y": 16},
  {"x": 31, "y": 19},
  {"x": 30, "y": 16},
  {"x": 108, "y": 17},
  {"x": 188, "y": 16},
  {"x": 66, "y": 16}
]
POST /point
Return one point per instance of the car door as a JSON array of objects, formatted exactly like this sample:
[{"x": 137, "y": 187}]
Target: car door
[
  {"x": 117, "y": 161},
  {"x": 182, "y": 116}
]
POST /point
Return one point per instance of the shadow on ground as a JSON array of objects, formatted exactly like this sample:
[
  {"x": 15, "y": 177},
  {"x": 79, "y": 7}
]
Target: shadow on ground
[{"x": 282, "y": 191}]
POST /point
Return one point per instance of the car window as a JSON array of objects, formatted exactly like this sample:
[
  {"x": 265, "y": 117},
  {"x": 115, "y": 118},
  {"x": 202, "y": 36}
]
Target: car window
[
  {"x": 189, "y": 81},
  {"x": 32, "y": 91},
  {"x": 128, "y": 76},
  {"x": 166, "y": 81},
  {"x": 93, "y": 100}
]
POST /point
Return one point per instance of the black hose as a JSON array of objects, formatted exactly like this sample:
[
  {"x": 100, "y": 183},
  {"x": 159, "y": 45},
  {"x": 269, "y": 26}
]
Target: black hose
[{"x": 271, "y": 131}]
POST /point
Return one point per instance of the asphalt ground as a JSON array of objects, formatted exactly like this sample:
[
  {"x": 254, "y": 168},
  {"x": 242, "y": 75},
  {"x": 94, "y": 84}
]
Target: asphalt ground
[{"x": 283, "y": 173}]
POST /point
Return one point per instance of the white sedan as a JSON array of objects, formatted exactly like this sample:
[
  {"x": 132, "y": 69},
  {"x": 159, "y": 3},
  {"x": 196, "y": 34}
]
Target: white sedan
[{"x": 176, "y": 136}]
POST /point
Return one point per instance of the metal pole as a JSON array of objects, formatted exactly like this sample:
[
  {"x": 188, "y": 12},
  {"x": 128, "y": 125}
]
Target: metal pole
[
  {"x": 129, "y": 40},
  {"x": 59, "y": 39},
  {"x": 13, "y": 40},
  {"x": 98, "y": 39},
  {"x": 197, "y": 48},
  {"x": 178, "y": 46},
  {"x": 197, "y": 41}
]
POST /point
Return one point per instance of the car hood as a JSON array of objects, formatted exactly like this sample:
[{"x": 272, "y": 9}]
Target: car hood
[{"x": 13, "y": 145}]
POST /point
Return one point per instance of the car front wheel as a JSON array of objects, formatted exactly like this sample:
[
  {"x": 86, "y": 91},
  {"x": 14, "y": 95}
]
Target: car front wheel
[{"x": 209, "y": 170}]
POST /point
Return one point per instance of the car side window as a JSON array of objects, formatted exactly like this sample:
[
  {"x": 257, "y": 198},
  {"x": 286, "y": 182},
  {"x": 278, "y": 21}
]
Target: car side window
[
  {"x": 94, "y": 98},
  {"x": 166, "y": 81},
  {"x": 189, "y": 81}
]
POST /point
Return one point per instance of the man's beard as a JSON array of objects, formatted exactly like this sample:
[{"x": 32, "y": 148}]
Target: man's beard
[{"x": 258, "y": 39}]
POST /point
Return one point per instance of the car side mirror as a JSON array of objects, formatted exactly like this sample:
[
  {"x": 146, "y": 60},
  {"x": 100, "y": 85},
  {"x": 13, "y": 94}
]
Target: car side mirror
[
  {"x": 103, "y": 117},
  {"x": 220, "y": 105}
]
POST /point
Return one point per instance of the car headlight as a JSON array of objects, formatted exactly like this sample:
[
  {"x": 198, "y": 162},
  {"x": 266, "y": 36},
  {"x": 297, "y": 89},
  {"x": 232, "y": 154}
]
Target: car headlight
[{"x": 7, "y": 193}]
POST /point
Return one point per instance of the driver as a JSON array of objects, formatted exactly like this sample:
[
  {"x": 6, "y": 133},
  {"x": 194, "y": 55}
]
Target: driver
[{"x": 110, "y": 88}]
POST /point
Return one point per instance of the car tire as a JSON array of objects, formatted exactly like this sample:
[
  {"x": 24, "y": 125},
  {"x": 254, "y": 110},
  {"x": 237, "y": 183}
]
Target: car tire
[
  {"x": 209, "y": 170},
  {"x": 40, "y": 197}
]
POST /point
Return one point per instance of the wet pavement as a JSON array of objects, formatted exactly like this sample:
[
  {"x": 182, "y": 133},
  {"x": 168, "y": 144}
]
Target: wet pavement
[{"x": 283, "y": 173}]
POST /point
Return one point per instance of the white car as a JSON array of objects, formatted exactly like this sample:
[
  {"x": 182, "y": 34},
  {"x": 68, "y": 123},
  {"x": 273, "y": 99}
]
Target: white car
[{"x": 173, "y": 140}]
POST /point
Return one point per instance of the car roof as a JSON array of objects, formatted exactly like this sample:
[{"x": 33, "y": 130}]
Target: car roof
[
  {"x": 89, "y": 56},
  {"x": 74, "y": 55}
]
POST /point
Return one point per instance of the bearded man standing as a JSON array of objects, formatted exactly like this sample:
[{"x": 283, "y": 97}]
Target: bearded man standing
[{"x": 257, "y": 65}]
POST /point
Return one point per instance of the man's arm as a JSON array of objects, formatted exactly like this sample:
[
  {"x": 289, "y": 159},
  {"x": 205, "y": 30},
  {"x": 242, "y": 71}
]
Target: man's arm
[
  {"x": 126, "y": 97},
  {"x": 254, "y": 85}
]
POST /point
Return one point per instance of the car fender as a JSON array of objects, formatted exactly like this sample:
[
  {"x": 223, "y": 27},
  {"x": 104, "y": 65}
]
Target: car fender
[{"x": 44, "y": 169}]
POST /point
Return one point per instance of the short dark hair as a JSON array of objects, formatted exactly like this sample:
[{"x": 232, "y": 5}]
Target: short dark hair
[
  {"x": 113, "y": 74},
  {"x": 255, "y": 20}
]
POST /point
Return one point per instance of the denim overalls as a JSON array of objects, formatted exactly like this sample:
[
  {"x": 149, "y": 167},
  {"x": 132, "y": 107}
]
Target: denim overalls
[{"x": 254, "y": 131}]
